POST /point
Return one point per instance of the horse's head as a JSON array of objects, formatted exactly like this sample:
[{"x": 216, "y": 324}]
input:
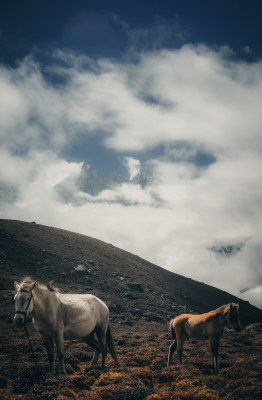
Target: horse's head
[
  {"x": 23, "y": 301},
  {"x": 233, "y": 317}
]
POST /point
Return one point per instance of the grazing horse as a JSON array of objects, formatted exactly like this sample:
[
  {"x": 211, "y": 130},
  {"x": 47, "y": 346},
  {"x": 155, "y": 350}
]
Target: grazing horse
[
  {"x": 58, "y": 316},
  {"x": 204, "y": 326}
]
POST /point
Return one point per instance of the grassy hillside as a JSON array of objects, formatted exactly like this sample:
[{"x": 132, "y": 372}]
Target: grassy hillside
[{"x": 142, "y": 298}]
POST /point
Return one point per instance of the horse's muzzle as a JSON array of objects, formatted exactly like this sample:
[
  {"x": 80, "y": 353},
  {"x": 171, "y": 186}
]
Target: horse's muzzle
[{"x": 19, "y": 320}]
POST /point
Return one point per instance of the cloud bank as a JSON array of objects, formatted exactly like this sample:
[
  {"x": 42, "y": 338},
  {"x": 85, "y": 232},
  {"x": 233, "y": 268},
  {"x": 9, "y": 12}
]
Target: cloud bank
[{"x": 192, "y": 114}]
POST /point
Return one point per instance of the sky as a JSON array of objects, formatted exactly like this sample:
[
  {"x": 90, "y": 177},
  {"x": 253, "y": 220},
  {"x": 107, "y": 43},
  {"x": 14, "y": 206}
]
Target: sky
[{"x": 170, "y": 88}]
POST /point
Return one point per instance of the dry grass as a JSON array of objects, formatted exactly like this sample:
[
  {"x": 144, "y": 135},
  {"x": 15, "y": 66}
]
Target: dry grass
[{"x": 146, "y": 375}]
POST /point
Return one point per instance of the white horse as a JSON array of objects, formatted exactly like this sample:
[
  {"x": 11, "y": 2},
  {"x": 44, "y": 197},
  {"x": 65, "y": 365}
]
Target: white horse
[{"x": 58, "y": 316}]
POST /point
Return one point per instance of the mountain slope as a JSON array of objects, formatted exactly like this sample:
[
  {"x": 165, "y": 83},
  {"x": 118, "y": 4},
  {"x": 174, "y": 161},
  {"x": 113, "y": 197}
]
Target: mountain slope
[{"x": 138, "y": 293}]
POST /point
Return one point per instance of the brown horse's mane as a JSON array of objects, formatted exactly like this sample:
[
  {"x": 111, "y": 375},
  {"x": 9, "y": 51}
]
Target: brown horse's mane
[
  {"x": 224, "y": 308},
  {"x": 221, "y": 309}
]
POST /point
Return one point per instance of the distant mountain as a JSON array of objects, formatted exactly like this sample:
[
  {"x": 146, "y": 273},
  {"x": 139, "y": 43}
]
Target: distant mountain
[
  {"x": 144, "y": 178},
  {"x": 227, "y": 250},
  {"x": 138, "y": 293},
  {"x": 93, "y": 182}
]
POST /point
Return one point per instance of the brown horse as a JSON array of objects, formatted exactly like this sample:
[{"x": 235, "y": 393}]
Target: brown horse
[{"x": 204, "y": 326}]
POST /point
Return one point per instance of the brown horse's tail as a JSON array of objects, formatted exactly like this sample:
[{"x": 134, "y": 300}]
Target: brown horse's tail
[
  {"x": 172, "y": 330},
  {"x": 111, "y": 346}
]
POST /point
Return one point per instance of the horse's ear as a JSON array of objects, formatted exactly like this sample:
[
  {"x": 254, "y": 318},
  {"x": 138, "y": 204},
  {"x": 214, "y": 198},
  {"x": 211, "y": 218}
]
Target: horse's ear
[
  {"x": 33, "y": 285},
  {"x": 16, "y": 285},
  {"x": 50, "y": 286}
]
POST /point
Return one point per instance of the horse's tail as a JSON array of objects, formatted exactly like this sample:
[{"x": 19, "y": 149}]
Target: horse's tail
[
  {"x": 111, "y": 346},
  {"x": 172, "y": 330}
]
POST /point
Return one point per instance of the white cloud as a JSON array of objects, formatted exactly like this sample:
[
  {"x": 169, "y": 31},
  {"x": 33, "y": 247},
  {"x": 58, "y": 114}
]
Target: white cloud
[
  {"x": 13, "y": 108},
  {"x": 254, "y": 296},
  {"x": 133, "y": 166},
  {"x": 195, "y": 96}
]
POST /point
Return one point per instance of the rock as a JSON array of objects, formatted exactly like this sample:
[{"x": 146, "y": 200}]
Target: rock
[
  {"x": 114, "y": 308},
  {"x": 129, "y": 323},
  {"x": 88, "y": 289},
  {"x": 135, "y": 286},
  {"x": 136, "y": 311},
  {"x": 80, "y": 268},
  {"x": 149, "y": 316},
  {"x": 129, "y": 296},
  {"x": 256, "y": 325}
]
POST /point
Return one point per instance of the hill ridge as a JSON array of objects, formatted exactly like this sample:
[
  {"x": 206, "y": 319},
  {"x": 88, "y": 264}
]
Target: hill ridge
[{"x": 137, "y": 291}]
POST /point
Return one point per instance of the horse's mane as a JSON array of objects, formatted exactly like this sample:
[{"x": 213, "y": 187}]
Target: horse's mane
[
  {"x": 28, "y": 281},
  {"x": 224, "y": 308},
  {"x": 51, "y": 287}
]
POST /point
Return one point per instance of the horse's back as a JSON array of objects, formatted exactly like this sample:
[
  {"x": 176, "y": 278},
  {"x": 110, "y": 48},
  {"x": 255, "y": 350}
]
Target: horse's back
[
  {"x": 85, "y": 303},
  {"x": 82, "y": 313},
  {"x": 198, "y": 326},
  {"x": 179, "y": 323},
  {"x": 191, "y": 325},
  {"x": 181, "y": 319}
]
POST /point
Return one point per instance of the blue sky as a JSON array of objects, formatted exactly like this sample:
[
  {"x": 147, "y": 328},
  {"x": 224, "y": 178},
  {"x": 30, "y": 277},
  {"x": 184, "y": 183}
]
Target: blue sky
[
  {"x": 101, "y": 28},
  {"x": 120, "y": 30},
  {"x": 171, "y": 88}
]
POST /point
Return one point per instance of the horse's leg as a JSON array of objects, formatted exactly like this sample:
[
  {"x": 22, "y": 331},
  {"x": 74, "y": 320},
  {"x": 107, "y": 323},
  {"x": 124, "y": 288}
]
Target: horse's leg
[
  {"x": 90, "y": 340},
  {"x": 216, "y": 353},
  {"x": 180, "y": 343},
  {"x": 49, "y": 345},
  {"x": 211, "y": 343},
  {"x": 214, "y": 346},
  {"x": 111, "y": 346},
  {"x": 101, "y": 334},
  {"x": 172, "y": 348},
  {"x": 59, "y": 340}
]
